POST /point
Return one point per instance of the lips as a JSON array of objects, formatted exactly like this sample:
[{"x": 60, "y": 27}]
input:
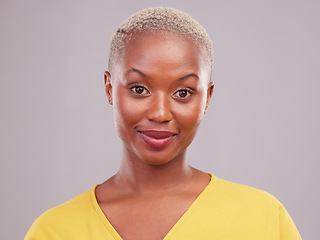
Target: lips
[{"x": 157, "y": 139}]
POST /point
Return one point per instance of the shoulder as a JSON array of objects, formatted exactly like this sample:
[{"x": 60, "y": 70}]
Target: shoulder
[
  {"x": 72, "y": 208},
  {"x": 240, "y": 201},
  {"x": 249, "y": 208},
  {"x": 71, "y": 212},
  {"x": 241, "y": 194}
]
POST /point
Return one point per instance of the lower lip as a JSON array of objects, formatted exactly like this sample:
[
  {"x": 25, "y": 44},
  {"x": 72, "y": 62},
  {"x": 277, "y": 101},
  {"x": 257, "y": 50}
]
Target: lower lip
[{"x": 156, "y": 143}]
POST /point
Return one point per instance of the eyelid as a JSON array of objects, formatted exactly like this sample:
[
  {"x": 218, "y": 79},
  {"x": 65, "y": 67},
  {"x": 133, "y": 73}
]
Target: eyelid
[
  {"x": 189, "y": 90},
  {"x": 134, "y": 85}
]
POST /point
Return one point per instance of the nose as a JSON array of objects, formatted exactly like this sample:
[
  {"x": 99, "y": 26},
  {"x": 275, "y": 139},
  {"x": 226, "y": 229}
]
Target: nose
[{"x": 160, "y": 108}]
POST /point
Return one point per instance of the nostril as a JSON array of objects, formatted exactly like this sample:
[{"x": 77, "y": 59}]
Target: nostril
[
  {"x": 160, "y": 111},
  {"x": 160, "y": 116}
]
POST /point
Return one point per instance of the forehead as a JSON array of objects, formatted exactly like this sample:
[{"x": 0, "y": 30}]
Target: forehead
[{"x": 162, "y": 51}]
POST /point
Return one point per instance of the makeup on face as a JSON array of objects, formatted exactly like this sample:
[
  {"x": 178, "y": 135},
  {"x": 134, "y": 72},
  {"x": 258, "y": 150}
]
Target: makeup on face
[{"x": 159, "y": 96}]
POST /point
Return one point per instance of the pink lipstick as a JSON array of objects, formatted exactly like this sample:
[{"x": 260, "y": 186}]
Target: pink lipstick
[{"x": 157, "y": 139}]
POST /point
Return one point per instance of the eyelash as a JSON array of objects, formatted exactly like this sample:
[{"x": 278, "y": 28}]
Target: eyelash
[
  {"x": 187, "y": 91},
  {"x": 144, "y": 88}
]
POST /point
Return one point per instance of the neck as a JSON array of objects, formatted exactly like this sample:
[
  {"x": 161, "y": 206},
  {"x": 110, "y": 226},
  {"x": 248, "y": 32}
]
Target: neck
[{"x": 140, "y": 177}]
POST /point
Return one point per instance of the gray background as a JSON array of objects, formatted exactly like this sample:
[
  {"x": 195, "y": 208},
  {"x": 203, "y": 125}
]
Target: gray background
[{"x": 57, "y": 135}]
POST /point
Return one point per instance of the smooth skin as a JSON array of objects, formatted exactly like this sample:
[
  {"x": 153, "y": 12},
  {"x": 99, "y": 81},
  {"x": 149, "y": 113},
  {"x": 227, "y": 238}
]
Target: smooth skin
[{"x": 160, "y": 82}]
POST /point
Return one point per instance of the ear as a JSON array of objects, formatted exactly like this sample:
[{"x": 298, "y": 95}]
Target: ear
[
  {"x": 108, "y": 86},
  {"x": 209, "y": 95}
]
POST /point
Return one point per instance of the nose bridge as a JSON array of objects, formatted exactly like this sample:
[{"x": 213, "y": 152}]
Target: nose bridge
[{"x": 160, "y": 108}]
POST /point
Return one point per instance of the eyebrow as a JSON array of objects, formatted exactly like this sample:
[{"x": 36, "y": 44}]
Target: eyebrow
[
  {"x": 181, "y": 78},
  {"x": 189, "y": 75},
  {"x": 137, "y": 71}
]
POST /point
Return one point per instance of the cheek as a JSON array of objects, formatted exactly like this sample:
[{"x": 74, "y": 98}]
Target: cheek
[
  {"x": 126, "y": 111},
  {"x": 191, "y": 114}
]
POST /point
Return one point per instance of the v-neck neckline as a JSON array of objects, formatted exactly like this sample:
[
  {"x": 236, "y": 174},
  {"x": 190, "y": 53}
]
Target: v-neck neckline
[{"x": 171, "y": 232}]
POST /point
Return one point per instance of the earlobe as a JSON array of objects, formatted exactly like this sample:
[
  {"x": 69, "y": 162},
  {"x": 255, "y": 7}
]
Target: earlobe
[
  {"x": 209, "y": 95},
  {"x": 108, "y": 86}
]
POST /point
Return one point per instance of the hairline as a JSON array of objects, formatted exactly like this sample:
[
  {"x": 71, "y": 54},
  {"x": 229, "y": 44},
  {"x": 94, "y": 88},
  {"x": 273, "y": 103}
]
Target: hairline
[{"x": 116, "y": 55}]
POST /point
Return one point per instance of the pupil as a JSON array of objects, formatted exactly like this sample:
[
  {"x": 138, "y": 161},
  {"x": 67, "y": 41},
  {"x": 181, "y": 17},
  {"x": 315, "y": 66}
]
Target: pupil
[
  {"x": 139, "y": 90},
  {"x": 183, "y": 93}
]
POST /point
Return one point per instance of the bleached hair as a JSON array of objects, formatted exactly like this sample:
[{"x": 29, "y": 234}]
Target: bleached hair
[{"x": 161, "y": 18}]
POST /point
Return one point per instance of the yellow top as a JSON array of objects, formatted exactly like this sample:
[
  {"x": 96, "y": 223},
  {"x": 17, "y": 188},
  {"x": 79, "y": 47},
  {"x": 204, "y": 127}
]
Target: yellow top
[{"x": 223, "y": 211}]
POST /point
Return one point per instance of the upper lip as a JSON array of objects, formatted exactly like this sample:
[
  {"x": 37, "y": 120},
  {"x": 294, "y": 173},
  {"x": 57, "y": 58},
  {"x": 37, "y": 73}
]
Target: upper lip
[{"x": 157, "y": 134}]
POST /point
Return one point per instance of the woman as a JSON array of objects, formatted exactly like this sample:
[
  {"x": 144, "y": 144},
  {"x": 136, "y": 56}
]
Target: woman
[{"x": 159, "y": 85}]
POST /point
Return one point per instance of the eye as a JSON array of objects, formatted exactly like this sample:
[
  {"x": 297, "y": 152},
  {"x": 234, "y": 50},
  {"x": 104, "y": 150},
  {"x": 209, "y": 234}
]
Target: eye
[
  {"x": 183, "y": 93},
  {"x": 140, "y": 90}
]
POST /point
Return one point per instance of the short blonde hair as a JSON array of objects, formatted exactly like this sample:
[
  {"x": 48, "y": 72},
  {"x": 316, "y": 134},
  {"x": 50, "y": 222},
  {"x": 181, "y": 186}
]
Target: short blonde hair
[{"x": 161, "y": 18}]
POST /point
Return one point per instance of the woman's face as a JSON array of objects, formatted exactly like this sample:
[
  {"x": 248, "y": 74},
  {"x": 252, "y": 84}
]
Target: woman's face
[{"x": 160, "y": 90}]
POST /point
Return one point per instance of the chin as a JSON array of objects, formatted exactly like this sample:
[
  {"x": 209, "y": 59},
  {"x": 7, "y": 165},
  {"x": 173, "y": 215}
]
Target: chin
[
  {"x": 156, "y": 162},
  {"x": 159, "y": 158}
]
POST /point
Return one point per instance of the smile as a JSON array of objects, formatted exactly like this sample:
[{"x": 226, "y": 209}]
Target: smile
[{"x": 157, "y": 139}]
